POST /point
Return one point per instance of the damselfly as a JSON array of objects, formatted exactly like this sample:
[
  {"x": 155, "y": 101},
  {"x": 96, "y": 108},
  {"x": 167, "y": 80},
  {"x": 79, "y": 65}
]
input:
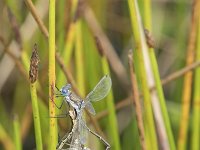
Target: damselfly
[
  {"x": 72, "y": 140},
  {"x": 98, "y": 93}
]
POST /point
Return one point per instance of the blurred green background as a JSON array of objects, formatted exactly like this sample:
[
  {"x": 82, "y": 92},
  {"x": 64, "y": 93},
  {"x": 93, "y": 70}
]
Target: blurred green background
[{"x": 77, "y": 32}]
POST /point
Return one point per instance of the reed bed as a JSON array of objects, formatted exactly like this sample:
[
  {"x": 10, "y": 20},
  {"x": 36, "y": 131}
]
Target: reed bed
[{"x": 154, "y": 100}]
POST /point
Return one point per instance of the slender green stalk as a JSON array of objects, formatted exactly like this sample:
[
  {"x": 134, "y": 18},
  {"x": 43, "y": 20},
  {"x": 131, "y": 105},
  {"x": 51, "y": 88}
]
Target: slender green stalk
[
  {"x": 79, "y": 59},
  {"x": 36, "y": 116},
  {"x": 113, "y": 127},
  {"x": 149, "y": 120},
  {"x": 148, "y": 25},
  {"x": 195, "y": 145},
  {"x": 17, "y": 137},
  {"x": 53, "y": 121},
  {"x": 67, "y": 53}
]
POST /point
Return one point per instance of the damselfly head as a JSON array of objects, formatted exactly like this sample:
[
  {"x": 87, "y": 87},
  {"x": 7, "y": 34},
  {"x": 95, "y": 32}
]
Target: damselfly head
[{"x": 66, "y": 90}]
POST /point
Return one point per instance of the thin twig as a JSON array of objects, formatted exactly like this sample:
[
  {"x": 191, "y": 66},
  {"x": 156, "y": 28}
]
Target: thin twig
[
  {"x": 126, "y": 102},
  {"x": 136, "y": 102},
  {"x": 66, "y": 73},
  {"x": 181, "y": 72},
  {"x": 15, "y": 27}
]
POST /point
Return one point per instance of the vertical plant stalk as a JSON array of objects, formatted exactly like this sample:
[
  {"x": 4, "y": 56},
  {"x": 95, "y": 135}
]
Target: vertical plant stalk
[
  {"x": 33, "y": 75},
  {"x": 17, "y": 136},
  {"x": 52, "y": 108},
  {"x": 148, "y": 115},
  {"x": 195, "y": 145},
  {"x": 136, "y": 102},
  {"x": 111, "y": 109},
  {"x": 79, "y": 59},
  {"x": 148, "y": 25},
  {"x": 36, "y": 116},
  {"x": 113, "y": 127},
  {"x": 187, "y": 85}
]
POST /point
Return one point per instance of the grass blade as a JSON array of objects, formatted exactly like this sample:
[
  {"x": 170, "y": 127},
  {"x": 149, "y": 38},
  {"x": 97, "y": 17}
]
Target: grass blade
[{"x": 79, "y": 59}]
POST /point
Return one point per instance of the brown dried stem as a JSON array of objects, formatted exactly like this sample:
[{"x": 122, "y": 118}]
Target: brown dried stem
[{"x": 136, "y": 102}]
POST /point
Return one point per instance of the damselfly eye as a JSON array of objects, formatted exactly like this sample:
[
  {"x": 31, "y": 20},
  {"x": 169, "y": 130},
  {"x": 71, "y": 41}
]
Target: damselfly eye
[{"x": 64, "y": 91}]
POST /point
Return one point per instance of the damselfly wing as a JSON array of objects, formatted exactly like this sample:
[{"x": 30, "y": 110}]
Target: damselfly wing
[{"x": 98, "y": 93}]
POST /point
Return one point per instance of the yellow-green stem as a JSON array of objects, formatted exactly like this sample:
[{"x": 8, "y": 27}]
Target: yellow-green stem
[
  {"x": 17, "y": 136},
  {"x": 79, "y": 59},
  {"x": 114, "y": 136},
  {"x": 36, "y": 116},
  {"x": 148, "y": 115},
  {"x": 195, "y": 145},
  {"x": 53, "y": 121}
]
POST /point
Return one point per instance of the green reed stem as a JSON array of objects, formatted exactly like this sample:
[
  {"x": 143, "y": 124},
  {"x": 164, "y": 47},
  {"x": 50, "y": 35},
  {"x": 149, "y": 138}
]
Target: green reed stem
[
  {"x": 149, "y": 120},
  {"x": 52, "y": 110},
  {"x": 36, "y": 116},
  {"x": 67, "y": 53},
  {"x": 113, "y": 127},
  {"x": 17, "y": 135},
  {"x": 195, "y": 145},
  {"x": 154, "y": 64},
  {"x": 80, "y": 76}
]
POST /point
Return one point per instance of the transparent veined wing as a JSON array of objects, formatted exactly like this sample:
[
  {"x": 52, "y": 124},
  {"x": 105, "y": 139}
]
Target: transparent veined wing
[
  {"x": 75, "y": 143},
  {"x": 100, "y": 90},
  {"x": 82, "y": 131},
  {"x": 90, "y": 108}
]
